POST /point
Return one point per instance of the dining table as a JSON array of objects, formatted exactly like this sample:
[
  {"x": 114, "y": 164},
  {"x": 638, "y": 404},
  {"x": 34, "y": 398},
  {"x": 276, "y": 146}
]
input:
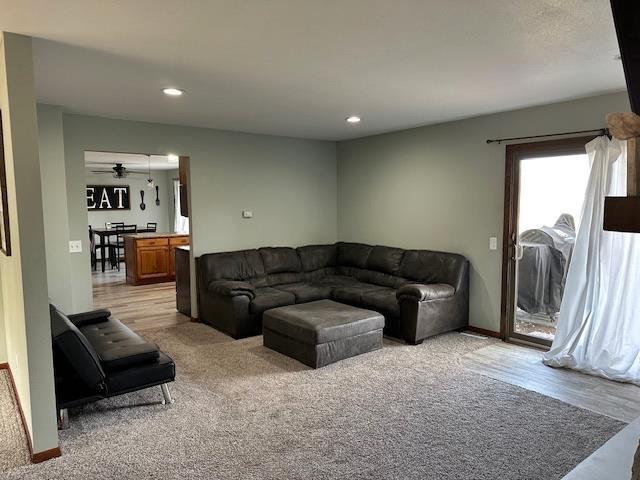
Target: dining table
[{"x": 105, "y": 233}]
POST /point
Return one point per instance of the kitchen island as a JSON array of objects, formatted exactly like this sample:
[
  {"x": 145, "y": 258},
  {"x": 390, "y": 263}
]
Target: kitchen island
[{"x": 150, "y": 257}]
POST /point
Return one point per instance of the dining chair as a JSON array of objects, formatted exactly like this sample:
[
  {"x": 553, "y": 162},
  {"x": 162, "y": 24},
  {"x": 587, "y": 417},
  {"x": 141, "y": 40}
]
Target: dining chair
[
  {"x": 118, "y": 247},
  {"x": 92, "y": 249},
  {"x": 153, "y": 226}
]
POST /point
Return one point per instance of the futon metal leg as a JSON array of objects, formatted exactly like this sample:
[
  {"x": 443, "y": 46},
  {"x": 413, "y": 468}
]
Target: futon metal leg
[
  {"x": 63, "y": 419},
  {"x": 166, "y": 394}
]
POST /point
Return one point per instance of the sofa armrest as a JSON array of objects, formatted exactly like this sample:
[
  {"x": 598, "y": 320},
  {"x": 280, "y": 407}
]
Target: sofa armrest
[
  {"x": 230, "y": 288},
  {"x": 87, "y": 318},
  {"x": 422, "y": 292}
]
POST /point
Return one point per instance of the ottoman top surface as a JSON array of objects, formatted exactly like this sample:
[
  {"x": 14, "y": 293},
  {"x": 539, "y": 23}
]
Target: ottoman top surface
[{"x": 321, "y": 321}]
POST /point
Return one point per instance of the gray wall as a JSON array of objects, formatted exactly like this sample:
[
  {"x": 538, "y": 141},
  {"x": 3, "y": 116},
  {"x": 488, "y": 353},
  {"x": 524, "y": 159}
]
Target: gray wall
[
  {"x": 135, "y": 216},
  {"x": 289, "y": 184},
  {"x": 23, "y": 275},
  {"x": 54, "y": 205},
  {"x": 442, "y": 187}
]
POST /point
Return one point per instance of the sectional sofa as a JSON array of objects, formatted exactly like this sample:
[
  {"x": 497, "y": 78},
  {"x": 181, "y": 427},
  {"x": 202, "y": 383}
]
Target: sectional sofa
[{"x": 420, "y": 292}]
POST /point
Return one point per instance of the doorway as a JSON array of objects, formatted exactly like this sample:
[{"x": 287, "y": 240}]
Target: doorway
[{"x": 545, "y": 183}]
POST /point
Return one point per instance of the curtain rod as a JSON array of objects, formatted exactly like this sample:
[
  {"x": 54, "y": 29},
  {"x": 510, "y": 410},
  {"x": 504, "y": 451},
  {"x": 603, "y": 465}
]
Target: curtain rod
[{"x": 603, "y": 131}]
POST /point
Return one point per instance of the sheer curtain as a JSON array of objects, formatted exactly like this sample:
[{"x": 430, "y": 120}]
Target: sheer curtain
[
  {"x": 180, "y": 223},
  {"x": 599, "y": 324}
]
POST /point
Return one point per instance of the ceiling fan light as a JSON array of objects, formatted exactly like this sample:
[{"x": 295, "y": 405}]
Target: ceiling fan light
[{"x": 150, "y": 183}]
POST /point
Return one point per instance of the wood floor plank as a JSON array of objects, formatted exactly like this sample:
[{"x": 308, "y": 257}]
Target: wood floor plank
[
  {"x": 523, "y": 367},
  {"x": 139, "y": 307}
]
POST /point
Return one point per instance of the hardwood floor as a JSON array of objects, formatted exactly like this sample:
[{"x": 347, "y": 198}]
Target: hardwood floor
[
  {"x": 523, "y": 367},
  {"x": 141, "y": 307}
]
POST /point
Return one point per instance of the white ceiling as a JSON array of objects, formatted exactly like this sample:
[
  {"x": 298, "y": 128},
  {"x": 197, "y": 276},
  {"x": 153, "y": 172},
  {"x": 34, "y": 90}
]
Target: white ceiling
[
  {"x": 299, "y": 67},
  {"x": 105, "y": 161}
]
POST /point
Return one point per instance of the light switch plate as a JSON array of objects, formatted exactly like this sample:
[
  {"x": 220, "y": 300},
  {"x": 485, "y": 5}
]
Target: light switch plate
[
  {"x": 247, "y": 214},
  {"x": 75, "y": 246},
  {"x": 493, "y": 243}
]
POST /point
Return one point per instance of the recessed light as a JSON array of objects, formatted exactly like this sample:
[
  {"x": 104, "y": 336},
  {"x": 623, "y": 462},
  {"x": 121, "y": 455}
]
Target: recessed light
[
  {"x": 353, "y": 119},
  {"x": 173, "y": 158},
  {"x": 172, "y": 91}
]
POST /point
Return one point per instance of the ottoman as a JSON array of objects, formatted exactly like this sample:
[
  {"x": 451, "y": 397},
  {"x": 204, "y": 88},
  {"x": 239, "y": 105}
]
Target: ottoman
[{"x": 322, "y": 332}]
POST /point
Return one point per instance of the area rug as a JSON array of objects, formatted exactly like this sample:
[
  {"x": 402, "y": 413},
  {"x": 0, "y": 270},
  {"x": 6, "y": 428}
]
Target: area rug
[
  {"x": 245, "y": 412},
  {"x": 13, "y": 441}
]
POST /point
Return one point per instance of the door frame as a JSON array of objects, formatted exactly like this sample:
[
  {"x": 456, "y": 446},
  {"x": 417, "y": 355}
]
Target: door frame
[{"x": 515, "y": 153}]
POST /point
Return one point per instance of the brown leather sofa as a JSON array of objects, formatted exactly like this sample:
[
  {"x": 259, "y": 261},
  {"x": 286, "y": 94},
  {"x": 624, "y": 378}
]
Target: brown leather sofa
[{"x": 420, "y": 292}]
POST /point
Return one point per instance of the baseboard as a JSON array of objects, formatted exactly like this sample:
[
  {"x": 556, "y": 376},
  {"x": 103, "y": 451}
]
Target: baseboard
[
  {"x": 38, "y": 456},
  {"x": 482, "y": 331},
  {"x": 46, "y": 455}
]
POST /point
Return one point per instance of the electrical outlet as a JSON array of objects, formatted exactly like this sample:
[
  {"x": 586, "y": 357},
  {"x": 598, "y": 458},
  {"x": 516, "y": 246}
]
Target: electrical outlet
[
  {"x": 75, "y": 246},
  {"x": 247, "y": 214},
  {"x": 493, "y": 243}
]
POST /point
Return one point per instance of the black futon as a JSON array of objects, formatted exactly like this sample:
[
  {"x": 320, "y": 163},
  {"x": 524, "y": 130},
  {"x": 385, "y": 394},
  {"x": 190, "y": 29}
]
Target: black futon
[{"x": 95, "y": 356}]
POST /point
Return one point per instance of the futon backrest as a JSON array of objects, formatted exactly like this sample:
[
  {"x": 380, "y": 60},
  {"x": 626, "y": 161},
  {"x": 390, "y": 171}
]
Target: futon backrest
[
  {"x": 282, "y": 265},
  {"x": 69, "y": 342}
]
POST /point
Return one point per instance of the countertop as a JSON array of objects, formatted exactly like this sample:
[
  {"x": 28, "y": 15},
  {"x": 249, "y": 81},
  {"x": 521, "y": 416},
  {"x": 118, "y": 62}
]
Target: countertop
[{"x": 155, "y": 235}]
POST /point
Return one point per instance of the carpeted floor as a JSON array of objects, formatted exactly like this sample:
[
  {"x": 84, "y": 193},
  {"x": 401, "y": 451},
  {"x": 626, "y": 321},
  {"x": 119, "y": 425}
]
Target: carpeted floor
[
  {"x": 13, "y": 441},
  {"x": 403, "y": 412}
]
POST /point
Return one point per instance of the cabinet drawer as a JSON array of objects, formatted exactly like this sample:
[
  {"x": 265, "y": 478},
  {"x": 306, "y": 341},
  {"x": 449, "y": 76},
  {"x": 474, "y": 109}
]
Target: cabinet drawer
[
  {"x": 179, "y": 241},
  {"x": 151, "y": 242}
]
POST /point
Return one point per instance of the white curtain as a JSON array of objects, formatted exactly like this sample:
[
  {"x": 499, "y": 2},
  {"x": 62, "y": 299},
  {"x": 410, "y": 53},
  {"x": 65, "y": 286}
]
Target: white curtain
[
  {"x": 599, "y": 324},
  {"x": 180, "y": 223}
]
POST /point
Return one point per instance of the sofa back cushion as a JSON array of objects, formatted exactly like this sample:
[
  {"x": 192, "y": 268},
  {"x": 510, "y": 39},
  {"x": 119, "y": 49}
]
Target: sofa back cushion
[
  {"x": 353, "y": 254},
  {"x": 70, "y": 343},
  {"x": 244, "y": 265},
  {"x": 318, "y": 257},
  {"x": 280, "y": 260},
  {"x": 385, "y": 260},
  {"x": 426, "y": 266}
]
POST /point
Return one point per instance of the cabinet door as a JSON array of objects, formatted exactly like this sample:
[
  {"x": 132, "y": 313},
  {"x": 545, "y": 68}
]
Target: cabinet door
[
  {"x": 153, "y": 262},
  {"x": 172, "y": 261}
]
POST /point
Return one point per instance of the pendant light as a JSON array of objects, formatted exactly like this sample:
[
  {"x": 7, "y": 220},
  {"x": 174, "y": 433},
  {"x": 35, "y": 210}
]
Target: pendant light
[{"x": 150, "y": 183}]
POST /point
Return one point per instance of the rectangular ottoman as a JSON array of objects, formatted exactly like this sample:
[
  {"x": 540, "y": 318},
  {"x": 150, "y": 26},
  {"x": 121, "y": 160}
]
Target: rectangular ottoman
[{"x": 322, "y": 332}]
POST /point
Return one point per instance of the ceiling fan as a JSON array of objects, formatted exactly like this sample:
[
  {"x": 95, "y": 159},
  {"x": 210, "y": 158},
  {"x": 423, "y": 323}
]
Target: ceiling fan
[{"x": 118, "y": 171}]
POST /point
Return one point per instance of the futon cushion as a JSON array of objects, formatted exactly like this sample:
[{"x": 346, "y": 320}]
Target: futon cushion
[
  {"x": 385, "y": 260},
  {"x": 280, "y": 259},
  {"x": 322, "y": 321},
  {"x": 307, "y": 292},
  {"x": 383, "y": 301},
  {"x": 353, "y": 254},
  {"x": 85, "y": 318},
  {"x": 268, "y": 297},
  {"x": 316, "y": 257},
  {"x": 353, "y": 293},
  {"x": 139, "y": 376},
  {"x": 118, "y": 346}
]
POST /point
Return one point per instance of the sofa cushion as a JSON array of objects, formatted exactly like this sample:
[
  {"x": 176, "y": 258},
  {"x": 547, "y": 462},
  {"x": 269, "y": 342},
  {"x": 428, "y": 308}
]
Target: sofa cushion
[
  {"x": 421, "y": 292},
  {"x": 372, "y": 276},
  {"x": 323, "y": 321},
  {"x": 426, "y": 266},
  {"x": 316, "y": 257},
  {"x": 307, "y": 292},
  {"x": 353, "y": 254},
  {"x": 118, "y": 346},
  {"x": 383, "y": 301},
  {"x": 353, "y": 293},
  {"x": 268, "y": 297},
  {"x": 280, "y": 259},
  {"x": 284, "y": 278},
  {"x": 385, "y": 260},
  {"x": 335, "y": 281},
  {"x": 240, "y": 265}
]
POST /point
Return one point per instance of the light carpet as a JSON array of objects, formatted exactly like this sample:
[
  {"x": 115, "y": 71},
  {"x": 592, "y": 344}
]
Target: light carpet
[
  {"x": 245, "y": 412},
  {"x": 13, "y": 441}
]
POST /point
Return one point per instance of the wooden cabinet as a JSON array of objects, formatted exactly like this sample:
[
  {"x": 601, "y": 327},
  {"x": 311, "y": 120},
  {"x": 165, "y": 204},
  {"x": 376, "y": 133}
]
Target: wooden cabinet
[{"x": 150, "y": 258}]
